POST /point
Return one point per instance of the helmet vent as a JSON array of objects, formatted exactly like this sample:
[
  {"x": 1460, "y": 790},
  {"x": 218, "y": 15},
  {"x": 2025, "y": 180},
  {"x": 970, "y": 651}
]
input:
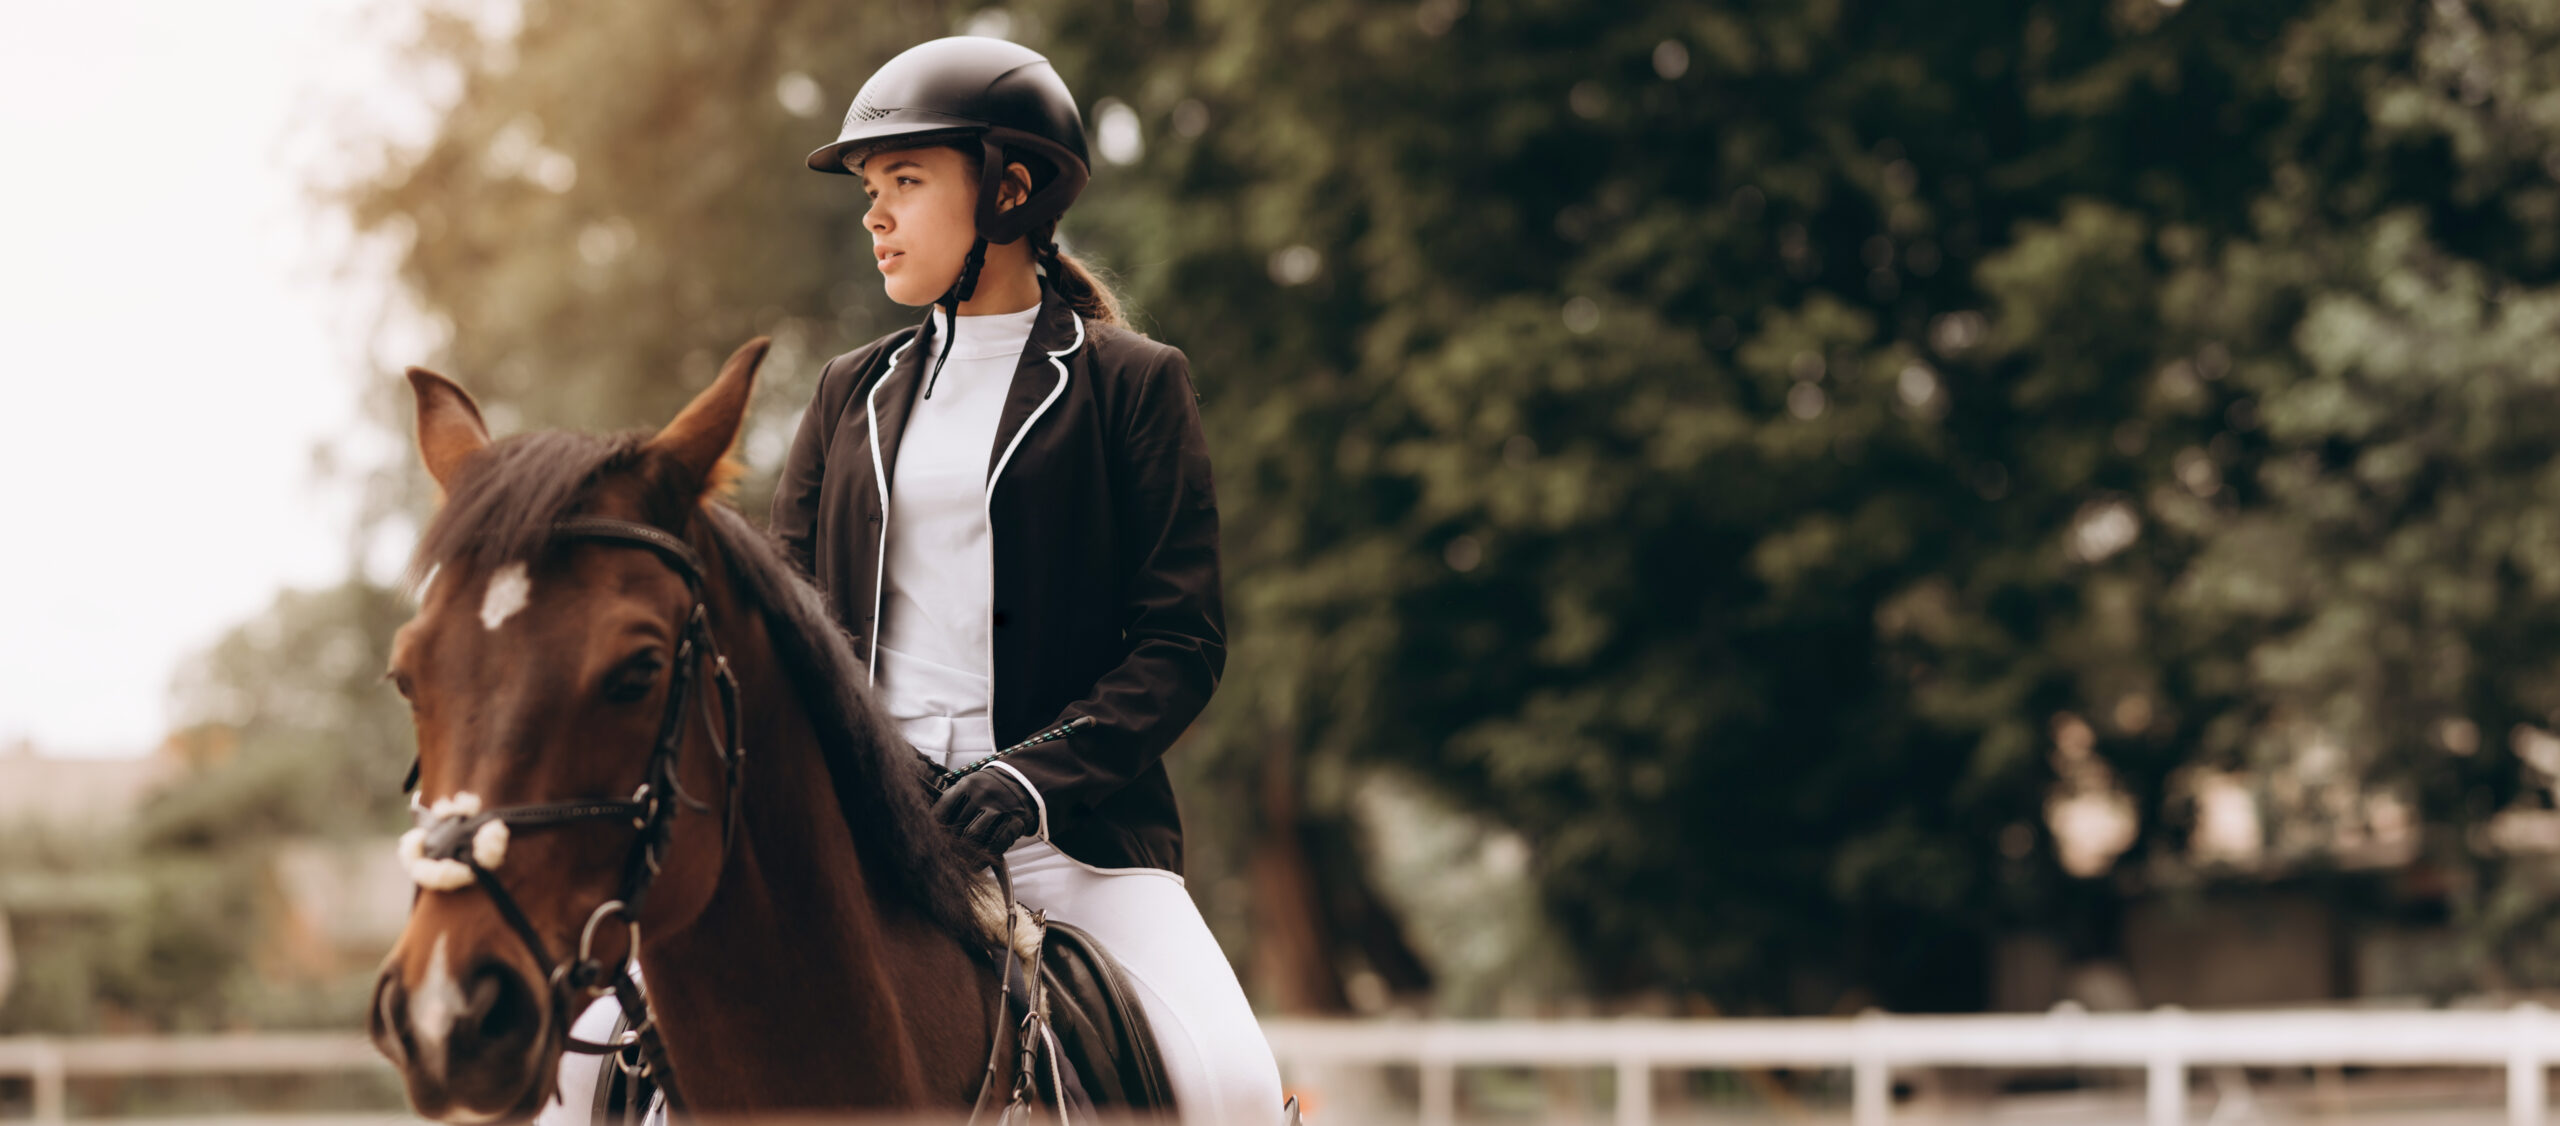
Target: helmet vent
[{"x": 863, "y": 111}]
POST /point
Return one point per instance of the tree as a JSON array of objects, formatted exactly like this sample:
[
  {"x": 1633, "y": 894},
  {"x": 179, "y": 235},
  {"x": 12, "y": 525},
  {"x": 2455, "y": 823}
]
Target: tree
[
  {"x": 1767, "y": 455},
  {"x": 286, "y": 732}
]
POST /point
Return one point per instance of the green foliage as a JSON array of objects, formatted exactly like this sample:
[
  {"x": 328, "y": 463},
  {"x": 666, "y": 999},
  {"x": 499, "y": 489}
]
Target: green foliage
[
  {"x": 1716, "y": 441},
  {"x": 168, "y": 923}
]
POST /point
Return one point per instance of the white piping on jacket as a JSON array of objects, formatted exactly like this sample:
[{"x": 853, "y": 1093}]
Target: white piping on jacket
[
  {"x": 1036, "y": 799},
  {"x": 880, "y": 477}
]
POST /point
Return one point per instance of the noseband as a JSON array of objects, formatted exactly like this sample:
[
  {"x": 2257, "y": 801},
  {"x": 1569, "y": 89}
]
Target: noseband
[{"x": 450, "y": 834}]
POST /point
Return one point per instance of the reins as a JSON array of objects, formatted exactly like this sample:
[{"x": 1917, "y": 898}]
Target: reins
[{"x": 453, "y": 834}]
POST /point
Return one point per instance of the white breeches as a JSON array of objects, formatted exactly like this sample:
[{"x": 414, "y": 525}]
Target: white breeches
[
  {"x": 1213, "y": 1050},
  {"x": 579, "y": 1074}
]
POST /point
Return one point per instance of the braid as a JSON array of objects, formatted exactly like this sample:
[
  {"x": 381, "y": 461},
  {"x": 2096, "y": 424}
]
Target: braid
[
  {"x": 1085, "y": 291},
  {"x": 1091, "y": 298}
]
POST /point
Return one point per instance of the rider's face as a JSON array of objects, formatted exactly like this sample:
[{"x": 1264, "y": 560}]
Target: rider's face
[{"x": 923, "y": 217}]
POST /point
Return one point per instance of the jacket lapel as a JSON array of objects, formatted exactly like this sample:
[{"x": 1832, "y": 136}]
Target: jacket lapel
[
  {"x": 893, "y": 398},
  {"x": 1038, "y": 376}
]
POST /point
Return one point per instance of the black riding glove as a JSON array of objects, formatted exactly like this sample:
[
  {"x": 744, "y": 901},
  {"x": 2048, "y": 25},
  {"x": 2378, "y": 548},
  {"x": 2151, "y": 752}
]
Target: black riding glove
[
  {"x": 989, "y": 809},
  {"x": 929, "y": 775}
]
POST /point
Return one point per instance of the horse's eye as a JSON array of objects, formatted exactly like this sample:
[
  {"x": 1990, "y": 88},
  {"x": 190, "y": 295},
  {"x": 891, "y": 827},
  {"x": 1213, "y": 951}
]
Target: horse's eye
[
  {"x": 633, "y": 680},
  {"x": 399, "y": 683}
]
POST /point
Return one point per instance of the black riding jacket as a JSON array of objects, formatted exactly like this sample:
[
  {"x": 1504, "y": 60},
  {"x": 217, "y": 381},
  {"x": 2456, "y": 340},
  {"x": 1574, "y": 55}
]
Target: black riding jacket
[{"x": 1103, "y": 528}]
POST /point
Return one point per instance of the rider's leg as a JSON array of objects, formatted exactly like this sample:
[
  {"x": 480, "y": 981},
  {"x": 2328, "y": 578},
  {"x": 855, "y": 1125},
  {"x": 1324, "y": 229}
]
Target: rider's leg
[
  {"x": 578, "y": 1073},
  {"x": 1214, "y": 1052},
  {"x": 581, "y": 1074}
]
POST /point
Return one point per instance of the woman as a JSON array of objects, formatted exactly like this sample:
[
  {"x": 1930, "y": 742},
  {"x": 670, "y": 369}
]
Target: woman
[{"x": 1011, "y": 512}]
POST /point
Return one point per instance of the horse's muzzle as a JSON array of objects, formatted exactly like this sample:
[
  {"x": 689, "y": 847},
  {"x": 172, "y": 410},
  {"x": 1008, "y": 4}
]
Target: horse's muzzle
[{"x": 471, "y": 1049}]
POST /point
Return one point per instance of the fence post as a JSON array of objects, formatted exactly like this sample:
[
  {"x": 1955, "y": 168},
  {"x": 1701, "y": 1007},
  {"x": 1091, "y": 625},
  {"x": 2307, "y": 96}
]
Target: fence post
[
  {"x": 1635, "y": 1091},
  {"x": 1439, "y": 1089},
  {"x": 2165, "y": 1091},
  {"x": 2525, "y": 1094},
  {"x": 52, "y": 1097},
  {"x": 1870, "y": 1073}
]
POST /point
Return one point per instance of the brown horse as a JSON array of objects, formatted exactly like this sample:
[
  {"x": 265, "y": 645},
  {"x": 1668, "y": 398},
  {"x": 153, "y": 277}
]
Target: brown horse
[{"x": 820, "y": 954}]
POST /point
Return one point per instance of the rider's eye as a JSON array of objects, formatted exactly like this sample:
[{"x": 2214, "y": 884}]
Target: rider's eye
[{"x": 634, "y": 679}]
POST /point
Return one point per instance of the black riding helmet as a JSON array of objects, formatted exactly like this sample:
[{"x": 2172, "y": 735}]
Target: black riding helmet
[{"x": 1004, "y": 94}]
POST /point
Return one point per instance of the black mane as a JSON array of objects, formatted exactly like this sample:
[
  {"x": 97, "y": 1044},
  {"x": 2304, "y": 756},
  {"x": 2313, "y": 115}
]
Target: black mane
[{"x": 503, "y": 509}]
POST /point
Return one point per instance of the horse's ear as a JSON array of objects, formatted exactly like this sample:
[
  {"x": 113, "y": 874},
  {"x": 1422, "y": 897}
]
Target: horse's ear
[
  {"x": 702, "y": 434},
  {"x": 449, "y": 426}
]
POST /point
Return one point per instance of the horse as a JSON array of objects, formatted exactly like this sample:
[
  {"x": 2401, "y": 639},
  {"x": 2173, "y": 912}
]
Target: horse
[{"x": 596, "y": 620}]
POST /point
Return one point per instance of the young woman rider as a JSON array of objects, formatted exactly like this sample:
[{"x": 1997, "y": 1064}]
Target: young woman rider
[{"x": 1010, "y": 508}]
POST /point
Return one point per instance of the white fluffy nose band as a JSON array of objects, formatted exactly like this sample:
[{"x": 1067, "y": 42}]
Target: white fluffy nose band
[{"x": 437, "y": 873}]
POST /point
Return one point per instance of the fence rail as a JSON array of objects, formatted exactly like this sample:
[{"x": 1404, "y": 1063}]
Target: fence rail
[
  {"x": 51, "y": 1064},
  {"x": 2165, "y": 1044}
]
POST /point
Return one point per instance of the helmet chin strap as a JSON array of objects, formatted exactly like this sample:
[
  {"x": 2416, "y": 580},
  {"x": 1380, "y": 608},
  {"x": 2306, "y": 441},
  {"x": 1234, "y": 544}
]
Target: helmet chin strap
[
  {"x": 990, "y": 216},
  {"x": 951, "y": 298}
]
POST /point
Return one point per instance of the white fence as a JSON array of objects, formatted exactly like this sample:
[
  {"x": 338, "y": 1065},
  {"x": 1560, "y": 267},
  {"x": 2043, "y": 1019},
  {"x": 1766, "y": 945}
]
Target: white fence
[
  {"x": 52, "y": 1063},
  {"x": 2165, "y": 1044}
]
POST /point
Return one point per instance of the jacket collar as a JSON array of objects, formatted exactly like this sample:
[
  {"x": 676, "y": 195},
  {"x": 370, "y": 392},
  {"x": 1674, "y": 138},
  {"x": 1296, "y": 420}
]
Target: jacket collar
[
  {"x": 1056, "y": 329},
  {"x": 1037, "y": 376}
]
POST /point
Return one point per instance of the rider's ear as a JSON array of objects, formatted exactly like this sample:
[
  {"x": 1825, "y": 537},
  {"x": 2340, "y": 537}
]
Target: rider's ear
[
  {"x": 700, "y": 437},
  {"x": 449, "y": 426},
  {"x": 1016, "y": 189}
]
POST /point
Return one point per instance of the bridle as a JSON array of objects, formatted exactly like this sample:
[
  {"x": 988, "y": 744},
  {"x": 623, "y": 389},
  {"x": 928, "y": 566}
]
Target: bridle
[
  {"x": 451, "y": 836},
  {"x": 651, "y": 809}
]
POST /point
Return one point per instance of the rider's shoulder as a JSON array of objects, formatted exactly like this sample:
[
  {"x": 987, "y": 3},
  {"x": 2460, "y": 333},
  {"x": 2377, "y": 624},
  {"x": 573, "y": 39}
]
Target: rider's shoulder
[
  {"x": 1120, "y": 349},
  {"x": 868, "y": 356},
  {"x": 851, "y": 369}
]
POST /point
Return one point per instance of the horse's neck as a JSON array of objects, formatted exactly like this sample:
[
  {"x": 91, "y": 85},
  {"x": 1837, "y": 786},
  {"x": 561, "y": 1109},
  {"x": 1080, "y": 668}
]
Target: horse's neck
[{"x": 793, "y": 989}]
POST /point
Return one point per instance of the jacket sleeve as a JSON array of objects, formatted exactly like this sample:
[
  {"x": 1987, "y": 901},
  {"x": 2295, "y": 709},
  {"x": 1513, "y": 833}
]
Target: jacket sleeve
[
  {"x": 795, "y": 494},
  {"x": 1172, "y": 613}
]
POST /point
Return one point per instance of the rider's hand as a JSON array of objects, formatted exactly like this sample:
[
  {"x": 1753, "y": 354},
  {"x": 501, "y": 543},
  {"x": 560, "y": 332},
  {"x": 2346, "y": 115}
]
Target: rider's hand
[
  {"x": 989, "y": 809},
  {"x": 928, "y": 775}
]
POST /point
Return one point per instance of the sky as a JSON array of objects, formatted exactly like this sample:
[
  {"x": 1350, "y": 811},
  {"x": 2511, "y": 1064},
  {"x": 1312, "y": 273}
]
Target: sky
[{"x": 178, "y": 340}]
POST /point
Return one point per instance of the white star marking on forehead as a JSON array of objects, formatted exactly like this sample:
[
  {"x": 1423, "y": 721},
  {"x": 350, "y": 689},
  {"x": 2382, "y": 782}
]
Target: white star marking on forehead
[{"x": 509, "y": 590}]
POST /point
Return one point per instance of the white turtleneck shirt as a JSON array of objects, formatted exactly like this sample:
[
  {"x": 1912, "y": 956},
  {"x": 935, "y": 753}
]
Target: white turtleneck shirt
[{"x": 936, "y": 613}]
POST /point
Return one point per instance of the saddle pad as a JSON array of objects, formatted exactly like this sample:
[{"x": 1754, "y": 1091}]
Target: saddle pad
[{"x": 1100, "y": 1026}]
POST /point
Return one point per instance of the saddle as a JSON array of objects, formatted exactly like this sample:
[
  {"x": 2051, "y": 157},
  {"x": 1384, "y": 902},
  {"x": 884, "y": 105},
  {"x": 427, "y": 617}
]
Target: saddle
[{"x": 1101, "y": 1031}]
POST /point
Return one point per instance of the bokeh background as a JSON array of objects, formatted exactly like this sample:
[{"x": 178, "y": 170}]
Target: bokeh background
[{"x": 1729, "y": 508}]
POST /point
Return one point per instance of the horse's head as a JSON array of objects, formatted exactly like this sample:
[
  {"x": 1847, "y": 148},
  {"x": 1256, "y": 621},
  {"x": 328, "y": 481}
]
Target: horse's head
[{"x": 560, "y": 654}]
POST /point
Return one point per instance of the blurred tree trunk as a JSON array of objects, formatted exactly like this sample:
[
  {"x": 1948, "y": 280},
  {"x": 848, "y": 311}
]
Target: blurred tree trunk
[
  {"x": 1293, "y": 941},
  {"x": 1314, "y": 903}
]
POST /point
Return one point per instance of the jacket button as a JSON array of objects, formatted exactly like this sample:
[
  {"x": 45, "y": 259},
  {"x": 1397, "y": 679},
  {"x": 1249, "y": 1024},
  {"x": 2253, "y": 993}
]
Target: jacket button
[{"x": 875, "y": 518}]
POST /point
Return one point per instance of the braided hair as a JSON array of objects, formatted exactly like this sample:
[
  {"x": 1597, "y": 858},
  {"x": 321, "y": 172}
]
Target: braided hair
[{"x": 1085, "y": 291}]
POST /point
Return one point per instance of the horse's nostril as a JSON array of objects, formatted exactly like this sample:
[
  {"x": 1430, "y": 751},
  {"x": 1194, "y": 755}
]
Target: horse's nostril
[
  {"x": 390, "y": 1019},
  {"x": 500, "y": 1005}
]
